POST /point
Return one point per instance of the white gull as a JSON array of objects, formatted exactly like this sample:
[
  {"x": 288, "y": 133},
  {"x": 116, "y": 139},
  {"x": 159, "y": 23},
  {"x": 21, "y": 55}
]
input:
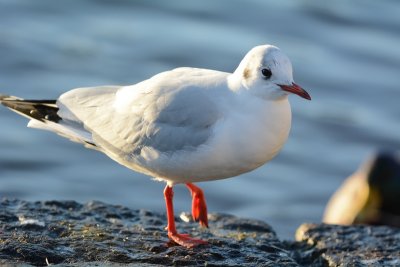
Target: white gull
[{"x": 181, "y": 126}]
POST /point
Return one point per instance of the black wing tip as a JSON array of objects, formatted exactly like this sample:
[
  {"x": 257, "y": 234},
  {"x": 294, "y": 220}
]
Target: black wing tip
[
  {"x": 42, "y": 110},
  {"x": 4, "y": 97}
]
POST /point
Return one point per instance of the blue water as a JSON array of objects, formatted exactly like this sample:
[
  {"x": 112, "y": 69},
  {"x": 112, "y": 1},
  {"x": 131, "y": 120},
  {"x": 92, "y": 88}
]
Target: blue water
[{"x": 345, "y": 53}]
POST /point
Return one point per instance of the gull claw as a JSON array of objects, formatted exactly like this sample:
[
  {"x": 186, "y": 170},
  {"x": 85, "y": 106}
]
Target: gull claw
[{"x": 185, "y": 240}]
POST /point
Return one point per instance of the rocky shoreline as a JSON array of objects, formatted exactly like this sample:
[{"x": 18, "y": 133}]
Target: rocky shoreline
[{"x": 67, "y": 233}]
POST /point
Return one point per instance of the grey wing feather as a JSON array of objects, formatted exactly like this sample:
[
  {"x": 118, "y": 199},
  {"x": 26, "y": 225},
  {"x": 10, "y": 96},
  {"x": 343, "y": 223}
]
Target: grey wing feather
[
  {"x": 79, "y": 106},
  {"x": 182, "y": 122},
  {"x": 164, "y": 121}
]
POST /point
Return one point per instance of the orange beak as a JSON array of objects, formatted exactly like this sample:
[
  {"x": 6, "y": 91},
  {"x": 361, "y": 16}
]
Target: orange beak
[{"x": 295, "y": 89}]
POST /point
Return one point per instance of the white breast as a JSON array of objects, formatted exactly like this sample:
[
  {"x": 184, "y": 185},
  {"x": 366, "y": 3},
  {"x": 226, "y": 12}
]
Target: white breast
[{"x": 249, "y": 135}]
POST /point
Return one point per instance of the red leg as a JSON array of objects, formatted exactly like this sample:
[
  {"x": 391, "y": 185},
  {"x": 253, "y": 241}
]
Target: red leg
[
  {"x": 181, "y": 239},
  {"x": 199, "y": 206}
]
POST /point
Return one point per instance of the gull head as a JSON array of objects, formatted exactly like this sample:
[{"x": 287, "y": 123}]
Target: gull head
[{"x": 266, "y": 71}]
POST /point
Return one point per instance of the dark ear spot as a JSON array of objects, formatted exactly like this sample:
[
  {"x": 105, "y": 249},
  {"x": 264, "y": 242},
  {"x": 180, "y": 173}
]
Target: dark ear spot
[{"x": 246, "y": 73}]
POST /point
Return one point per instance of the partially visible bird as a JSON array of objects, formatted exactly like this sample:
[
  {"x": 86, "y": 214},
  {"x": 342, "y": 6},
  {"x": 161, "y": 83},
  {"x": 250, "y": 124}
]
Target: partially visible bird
[
  {"x": 181, "y": 126},
  {"x": 370, "y": 195}
]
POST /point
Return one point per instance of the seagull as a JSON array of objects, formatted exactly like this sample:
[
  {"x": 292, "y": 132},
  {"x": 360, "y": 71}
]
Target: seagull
[{"x": 180, "y": 126}]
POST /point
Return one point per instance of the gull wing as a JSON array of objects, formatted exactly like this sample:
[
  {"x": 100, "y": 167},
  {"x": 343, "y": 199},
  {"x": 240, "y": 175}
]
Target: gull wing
[{"x": 158, "y": 115}]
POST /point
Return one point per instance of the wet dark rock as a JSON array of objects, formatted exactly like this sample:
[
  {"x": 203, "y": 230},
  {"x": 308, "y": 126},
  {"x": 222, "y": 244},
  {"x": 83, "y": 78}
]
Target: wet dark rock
[
  {"x": 67, "y": 233},
  {"x": 334, "y": 245}
]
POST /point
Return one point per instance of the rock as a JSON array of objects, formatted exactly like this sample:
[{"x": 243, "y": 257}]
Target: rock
[
  {"x": 66, "y": 232},
  {"x": 334, "y": 245},
  {"x": 97, "y": 234}
]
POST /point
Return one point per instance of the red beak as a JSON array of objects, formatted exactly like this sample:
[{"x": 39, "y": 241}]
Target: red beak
[{"x": 295, "y": 89}]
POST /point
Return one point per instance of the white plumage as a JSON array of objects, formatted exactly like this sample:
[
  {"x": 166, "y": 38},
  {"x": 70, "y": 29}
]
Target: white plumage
[{"x": 185, "y": 125}]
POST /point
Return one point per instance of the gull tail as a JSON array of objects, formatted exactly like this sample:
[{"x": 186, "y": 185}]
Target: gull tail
[
  {"x": 41, "y": 110},
  {"x": 43, "y": 114}
]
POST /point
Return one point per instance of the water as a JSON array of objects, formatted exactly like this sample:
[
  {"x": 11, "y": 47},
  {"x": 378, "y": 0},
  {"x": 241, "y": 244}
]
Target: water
[{"x": 345, "y": 53}]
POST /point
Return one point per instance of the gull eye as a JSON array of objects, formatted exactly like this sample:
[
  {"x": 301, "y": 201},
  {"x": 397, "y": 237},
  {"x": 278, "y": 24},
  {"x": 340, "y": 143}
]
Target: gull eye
[{"x": 266, "y": 73}]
